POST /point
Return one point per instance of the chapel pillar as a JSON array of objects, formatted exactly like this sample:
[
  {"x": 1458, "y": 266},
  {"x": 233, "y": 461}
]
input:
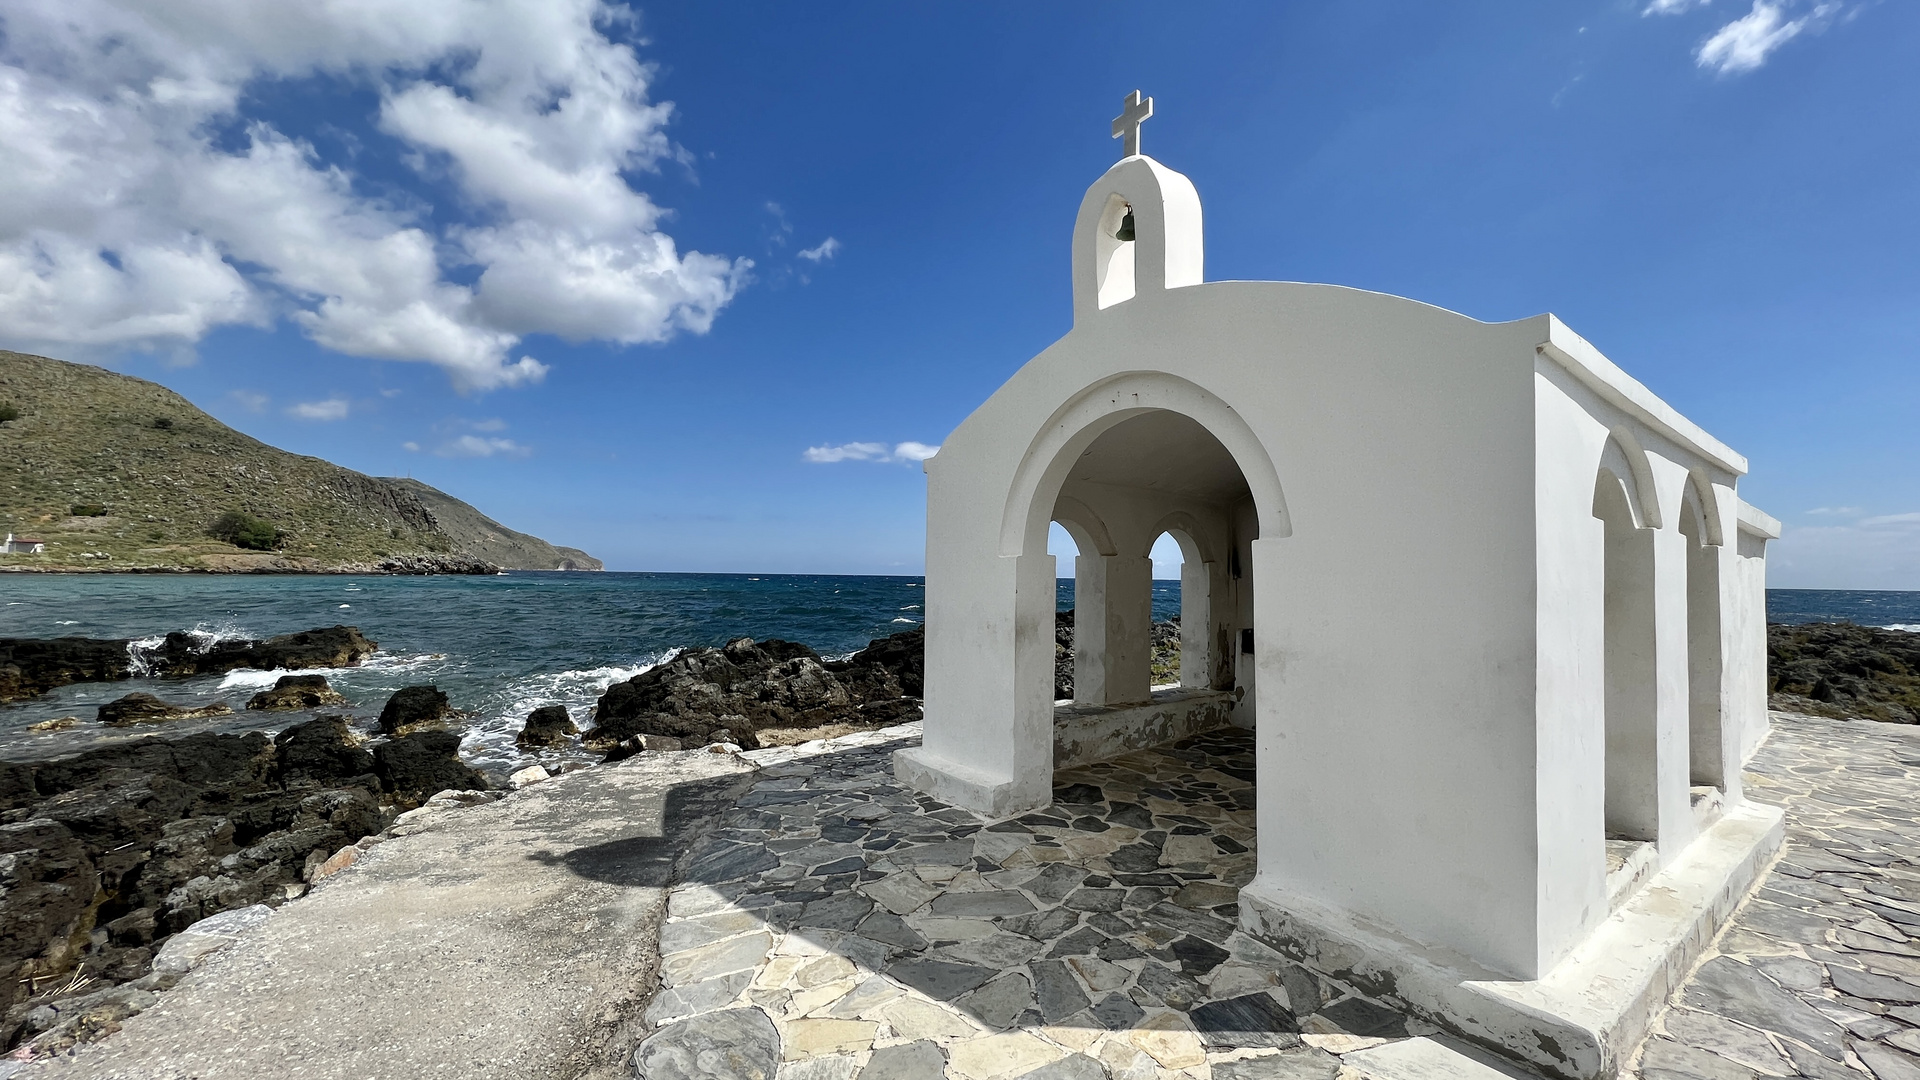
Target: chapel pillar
[
  {"x": 1112, "y": 629},
  {"x": 1673, "y": 710},
  {"x": 1196, "y": 625}
]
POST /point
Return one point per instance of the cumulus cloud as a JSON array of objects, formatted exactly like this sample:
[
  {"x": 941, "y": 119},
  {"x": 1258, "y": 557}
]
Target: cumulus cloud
[
  {"x": 142, "y": 207},
  {"x": 250, "y": 400},
  {"x": 478, "y": 446},
  {"x": 410, "y": 446},
  {"x": 869, "y": 451},
  {"x": 1672, "y": 7},
  {"x": 1745, "y": 43},
  {"x": 825, "y": 250},
  {"x": 333, "y": 408}
]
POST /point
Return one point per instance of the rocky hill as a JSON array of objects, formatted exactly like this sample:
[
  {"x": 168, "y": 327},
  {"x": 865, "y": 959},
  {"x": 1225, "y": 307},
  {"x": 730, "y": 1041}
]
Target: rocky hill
[{"x": 117, "y": 473}]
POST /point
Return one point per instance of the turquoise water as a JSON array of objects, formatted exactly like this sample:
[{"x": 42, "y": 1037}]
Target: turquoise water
[{"x": 501, "y": 646}]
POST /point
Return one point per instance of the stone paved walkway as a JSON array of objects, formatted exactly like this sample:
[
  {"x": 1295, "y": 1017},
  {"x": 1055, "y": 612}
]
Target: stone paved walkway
[
  {"x": 1819, "y": 973},
  {"x": 839, "y": 926},
  {"x": 844, "y": 926}
]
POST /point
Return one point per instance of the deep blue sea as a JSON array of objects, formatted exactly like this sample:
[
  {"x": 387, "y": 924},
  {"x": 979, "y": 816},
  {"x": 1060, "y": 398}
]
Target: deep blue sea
[{"x": 501, "y": 646}]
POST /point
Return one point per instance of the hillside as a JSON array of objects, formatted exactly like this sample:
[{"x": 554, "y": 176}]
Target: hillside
[{"x": 115, "y": 472}]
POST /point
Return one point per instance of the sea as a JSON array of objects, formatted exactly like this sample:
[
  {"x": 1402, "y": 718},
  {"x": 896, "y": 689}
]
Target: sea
[{"x": 504, "y": 645}]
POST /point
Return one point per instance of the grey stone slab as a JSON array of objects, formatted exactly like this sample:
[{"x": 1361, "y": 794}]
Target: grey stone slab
[
  {"x": 829, "y": 1067},
  {"x": 1197, "y": 957},
  {"x": 982, "y": 905},
  {"x": 1888, "y": 1063},
  {"x": 1191, "y": 922},
  {"x": 909, "y": 1061},
  {"x": 692, "y": 933},
  {"x": 1054, "y": 881},
  {"x": 1096, "y": 899},
  {"x": 1784, "y": 924},
  {"x": 1117, "y": 1012},
  {"x": 1819, "y": 1066},
  {"x": 939, "y": 978},
  {"x": 1358, "y": 1016},
  {"x": 842, "y": 912},
  {"x": 731, "y": 862},
  {"x": 1057, "y": 991},
  {"x": 1168, "y": 987},
  {"x": 727, "y": 1045},
  {"x": 900, "y": 893},
  {"x": 1664, "y": 1059},
  {"x": 1000, "y": 1002},
  {"x": 1865, "y": 984},
  {"x": 690, "y": 999},
  {"x": 950, "y": 853},
  {"x": 1792, "y": 972},
  {"x": 713, "y": 961},
  {"x": 1739, "y": 992},
  {"x": 1071, "y": 1067},
  {"x": 998, "y": 950},
  {"x": 1042, "y": 925},
  {"x": 1249, "y": 1020},
  {"x": 1735, "y": 1042},
  {"x": 892, "y": 929}
]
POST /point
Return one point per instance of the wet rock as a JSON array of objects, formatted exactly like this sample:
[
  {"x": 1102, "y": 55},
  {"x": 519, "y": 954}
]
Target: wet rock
[
  {"x": 548, "y": 726},
  {"x": 413, "y": 706},
  {"x": 328, "y": 647},
  {"x": 320, "y": 750},
  {"x": 142, "y": 708},
  {"x": 419, "y": 765},
  {"x": 212, "y": 762},
  {"x": 30, "y": 666},
  {"x": 296, "y": 692}
]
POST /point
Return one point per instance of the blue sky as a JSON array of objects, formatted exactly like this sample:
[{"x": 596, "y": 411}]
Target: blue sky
[{"x": 469, "y": 240}]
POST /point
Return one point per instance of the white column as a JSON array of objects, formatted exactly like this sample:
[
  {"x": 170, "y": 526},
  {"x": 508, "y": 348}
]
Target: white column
[
  {"x": 1112, "y": 629},
  {"x": 1672, "y": 710},
  {"x": 1196, "y": 625}
]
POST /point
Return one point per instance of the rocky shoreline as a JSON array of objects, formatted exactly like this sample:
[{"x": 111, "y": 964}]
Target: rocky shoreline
[{"x": 398, "y": 565}]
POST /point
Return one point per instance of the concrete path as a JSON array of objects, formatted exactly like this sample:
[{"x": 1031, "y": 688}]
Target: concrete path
[{"x": 512, "y": 939}]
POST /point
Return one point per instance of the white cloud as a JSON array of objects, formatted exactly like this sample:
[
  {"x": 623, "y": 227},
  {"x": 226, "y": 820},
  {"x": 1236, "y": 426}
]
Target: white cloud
[
  {"x": 1834, "y": 510},
  {"x": 410, "y": 446},
  {"x": 1745, "y": 43},
  {"x": 492, "y": 424},
  {"x": 825, "y": 250},
  {"x": 475, "y": 446},
  {"x": 1669, "y": 7},
  {"x": 250, "y": 400},
  {"x": 869, "y": 451},
  {"x": 1890, "y": 519},
  {"x": 333, "y": 408},
  {"x": 125, "y": 224}
]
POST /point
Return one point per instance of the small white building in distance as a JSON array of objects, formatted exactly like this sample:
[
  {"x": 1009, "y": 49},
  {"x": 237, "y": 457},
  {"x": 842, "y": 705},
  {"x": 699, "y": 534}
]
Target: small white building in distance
[
  {"x": 21, "y": 545},
  {"x": 1494, "y": 612}
]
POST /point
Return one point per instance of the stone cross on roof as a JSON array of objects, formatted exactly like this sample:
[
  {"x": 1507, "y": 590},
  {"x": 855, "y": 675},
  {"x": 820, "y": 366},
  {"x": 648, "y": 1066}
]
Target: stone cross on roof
[{"x": 1133, "y": 111}]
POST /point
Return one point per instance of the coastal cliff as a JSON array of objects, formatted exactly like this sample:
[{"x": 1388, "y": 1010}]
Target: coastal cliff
[{"x": 117, "y": 473}]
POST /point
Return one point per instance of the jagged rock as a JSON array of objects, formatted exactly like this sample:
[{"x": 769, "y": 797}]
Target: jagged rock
[
  {"x": 902, "y": 656},
  {"x": 421, "y": 764},
  {"x": 30, "y": 666},
  {"x": 48, "y": 883},
  {"x": 750, "y": 686},
  {"x": 1845, "y": 671},
  {"x": 327, "y": 647},
  {"x": 321, "y": 750},
  {"x": 140, "y": 708},
  {"x": 547, "y": 726},
  {"x": 412, "y": 706},
  {"x": 297, "y": 692},
  {"x": 205, "y": 760}
]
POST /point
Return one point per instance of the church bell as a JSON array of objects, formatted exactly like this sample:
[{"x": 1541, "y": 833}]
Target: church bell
[{"x": 1125, "y": 231}]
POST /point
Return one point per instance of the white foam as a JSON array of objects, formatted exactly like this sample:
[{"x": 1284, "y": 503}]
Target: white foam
[
  {"x": 66, "y": 622},
  {"x": 915, "y": 622},
  {"x": 1911, "y": 628},
  {"x": 343, "y": 607}
]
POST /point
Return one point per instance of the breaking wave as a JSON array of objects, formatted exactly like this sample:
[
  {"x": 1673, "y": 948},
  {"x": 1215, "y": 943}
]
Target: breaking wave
[{"x": 201, "y": 638}]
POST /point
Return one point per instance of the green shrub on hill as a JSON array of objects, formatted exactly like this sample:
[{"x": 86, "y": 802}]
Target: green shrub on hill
[
  {"x": 87, "y": 510},
  {"x": 8, "y": 412},
  {"x": 245, "y": 531}
]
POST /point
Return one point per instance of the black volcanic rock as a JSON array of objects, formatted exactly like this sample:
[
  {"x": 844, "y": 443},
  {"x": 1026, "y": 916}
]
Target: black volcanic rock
[
  {"x": 140, "y": 708},
  {"x": 417, "y": 766},
  {"x": 547, "y": 726},
  {"x": 296, "y": 692},
  {"x": 751, "y": 686},
  {"x": 320, "y": 750},
  {"x": 1844, "y": 671},
  {"x": 30, "y": 666},
  {"x": 411, "y": 706}
]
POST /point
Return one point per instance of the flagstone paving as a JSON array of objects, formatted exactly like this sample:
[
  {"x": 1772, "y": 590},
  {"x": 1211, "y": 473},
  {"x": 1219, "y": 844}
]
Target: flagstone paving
[{"x": 839, "y": 926}]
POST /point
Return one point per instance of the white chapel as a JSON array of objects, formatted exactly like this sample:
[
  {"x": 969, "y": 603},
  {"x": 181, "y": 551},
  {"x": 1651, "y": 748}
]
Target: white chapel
[{"x": 1493, "y": 611}]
